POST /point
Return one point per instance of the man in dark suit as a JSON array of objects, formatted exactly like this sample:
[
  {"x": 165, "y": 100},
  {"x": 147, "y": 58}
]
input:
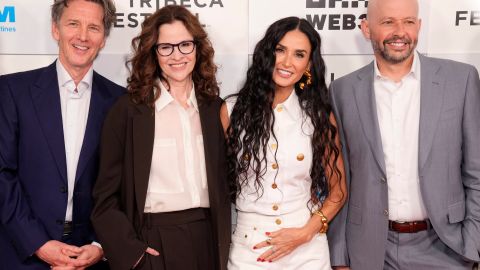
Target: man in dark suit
[
  {"x": 50, "y": 122},
  {"x": 411, "y": 137}
]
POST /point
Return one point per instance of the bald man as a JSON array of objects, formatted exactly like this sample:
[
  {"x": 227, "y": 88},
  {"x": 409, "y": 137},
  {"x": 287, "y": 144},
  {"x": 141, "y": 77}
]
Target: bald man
[{"x": 411, "y": 133}]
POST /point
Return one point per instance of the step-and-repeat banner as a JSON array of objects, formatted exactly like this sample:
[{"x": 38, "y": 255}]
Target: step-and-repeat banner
[{"x": 450, "y": 29}]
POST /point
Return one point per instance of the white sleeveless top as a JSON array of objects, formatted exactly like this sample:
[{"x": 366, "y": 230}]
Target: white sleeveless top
[{"x": 287, "y": 182}]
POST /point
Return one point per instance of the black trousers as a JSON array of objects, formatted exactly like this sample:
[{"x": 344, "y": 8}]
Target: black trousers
[{"x": 184, "y": 240}]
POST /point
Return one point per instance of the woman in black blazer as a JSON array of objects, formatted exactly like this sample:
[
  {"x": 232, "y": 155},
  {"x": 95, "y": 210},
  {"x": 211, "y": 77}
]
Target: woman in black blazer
[{"x": 161, "y": 198}]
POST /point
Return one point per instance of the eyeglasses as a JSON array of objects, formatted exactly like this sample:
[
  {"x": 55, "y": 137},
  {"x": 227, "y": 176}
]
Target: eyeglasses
[{"x": 166, "y": 49}]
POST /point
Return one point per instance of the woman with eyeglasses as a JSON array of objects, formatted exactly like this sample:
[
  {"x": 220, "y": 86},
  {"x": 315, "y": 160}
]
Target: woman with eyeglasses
[{"x": 161, "y": 198}]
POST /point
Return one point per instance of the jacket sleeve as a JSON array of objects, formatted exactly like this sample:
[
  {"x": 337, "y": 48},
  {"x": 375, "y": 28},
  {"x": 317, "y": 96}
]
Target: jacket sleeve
[
  {"x": 337, "y": 229},
  {"x": 471, "y": 167},
  {"x": 113, "y": 228},
  {"x": 24, "y": 230}
]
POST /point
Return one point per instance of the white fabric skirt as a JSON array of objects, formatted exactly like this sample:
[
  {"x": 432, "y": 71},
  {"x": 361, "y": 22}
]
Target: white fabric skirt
[{"x": 250, "y": 231}]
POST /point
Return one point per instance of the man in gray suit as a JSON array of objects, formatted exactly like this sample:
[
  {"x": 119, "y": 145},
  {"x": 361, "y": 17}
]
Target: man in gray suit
[{"x": 411, "y": 132}]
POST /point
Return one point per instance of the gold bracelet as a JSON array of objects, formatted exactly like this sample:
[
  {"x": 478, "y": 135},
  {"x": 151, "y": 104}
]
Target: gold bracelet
[{"x": 324, "y": 220}]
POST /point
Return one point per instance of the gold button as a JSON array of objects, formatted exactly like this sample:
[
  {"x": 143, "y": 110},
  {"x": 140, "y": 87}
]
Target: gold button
[
  {"x": 246, "y": 156},
  {"x": 274, "y": 186},
  {"x": 300, "y": 157},
  {"x": 275, "y": 207},
  {"x": 278, "y": 221},
  {"x": 279, "y": 108},
  {"x": 273, "y": 146},
  {"x": 275, "y": 166}
]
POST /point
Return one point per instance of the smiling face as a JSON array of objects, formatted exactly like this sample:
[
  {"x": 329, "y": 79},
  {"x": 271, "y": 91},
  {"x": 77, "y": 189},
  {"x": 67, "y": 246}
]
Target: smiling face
[
  {"x": 177, "y": 67},
  {"x": 292, "y": 55},
  {"x": 392, "y": 27},
  {"x": 80, "y": 35}
]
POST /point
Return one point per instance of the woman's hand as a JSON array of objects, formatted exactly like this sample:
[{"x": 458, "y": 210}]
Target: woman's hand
[
  {"x": 283, "y": 242},
  {"x": 150, "y": 251}
]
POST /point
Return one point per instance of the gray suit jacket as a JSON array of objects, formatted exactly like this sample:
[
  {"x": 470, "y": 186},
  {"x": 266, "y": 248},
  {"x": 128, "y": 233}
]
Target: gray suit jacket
[{"x": 448, "y": 163}]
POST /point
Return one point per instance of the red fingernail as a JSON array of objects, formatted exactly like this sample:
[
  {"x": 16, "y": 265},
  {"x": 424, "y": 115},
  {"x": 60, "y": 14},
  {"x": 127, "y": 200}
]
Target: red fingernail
[
  {"x": 258, "y": 260},
  {"x": 267, "y": 233},
  {"x": 270, "y": 261},
  {"x": 254, "y": 247}
]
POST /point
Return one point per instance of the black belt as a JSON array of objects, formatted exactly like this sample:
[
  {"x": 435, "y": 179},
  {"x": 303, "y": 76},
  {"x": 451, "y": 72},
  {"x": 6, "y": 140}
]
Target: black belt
[
  {"x": 176, "y": 217},
  {"x": 67, "y": 228}
]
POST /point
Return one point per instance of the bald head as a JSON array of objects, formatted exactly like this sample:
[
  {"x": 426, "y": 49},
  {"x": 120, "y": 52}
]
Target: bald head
[{"x": 380, "y": 7}]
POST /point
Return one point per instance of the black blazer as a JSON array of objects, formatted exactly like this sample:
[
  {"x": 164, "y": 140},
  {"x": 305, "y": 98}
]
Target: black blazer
[{"x": 120, "y": 191}]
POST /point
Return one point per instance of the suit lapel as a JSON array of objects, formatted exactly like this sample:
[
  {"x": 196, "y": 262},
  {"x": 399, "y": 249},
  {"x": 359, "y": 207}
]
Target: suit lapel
[
  {"x": 143, "y": 137},
  {"x": 367, "y": 108},
  {"x": 46, "y": 101},
  {"x": 210, "y": 142},
  {"x": 431, "y": 100},
  {"x": 96, "y": 113}
]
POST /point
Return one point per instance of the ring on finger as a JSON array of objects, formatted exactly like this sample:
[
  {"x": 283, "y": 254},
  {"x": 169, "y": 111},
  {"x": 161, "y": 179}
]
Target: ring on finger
[{"x": 269, "y": 241}]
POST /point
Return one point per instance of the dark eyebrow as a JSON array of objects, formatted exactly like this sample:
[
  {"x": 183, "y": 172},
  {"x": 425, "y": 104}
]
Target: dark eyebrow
[{"x": 297, "y": 51}]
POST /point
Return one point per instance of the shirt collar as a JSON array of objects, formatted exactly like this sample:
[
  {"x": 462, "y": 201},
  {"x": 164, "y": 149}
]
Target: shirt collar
[
  {"x": 65, "y": 80},
  {"x": 165, "y": 98},
  {"x": 414, "y": 69},
  {"x": 291, "y": 106}
]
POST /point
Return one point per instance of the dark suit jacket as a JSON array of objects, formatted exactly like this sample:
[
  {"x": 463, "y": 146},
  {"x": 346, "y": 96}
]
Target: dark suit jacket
[
  {"x": 33, "y": 170},
  {"x": 120, "y": 191}
]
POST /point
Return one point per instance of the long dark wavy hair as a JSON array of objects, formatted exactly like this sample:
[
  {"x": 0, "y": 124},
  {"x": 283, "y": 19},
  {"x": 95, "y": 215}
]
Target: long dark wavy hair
[
  {"x": 145, "y": 69},
  {"x": 252, "y": 118}
]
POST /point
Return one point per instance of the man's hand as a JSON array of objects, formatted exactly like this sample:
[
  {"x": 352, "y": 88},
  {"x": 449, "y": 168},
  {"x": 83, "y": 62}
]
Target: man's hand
[
  {"x": 89, "y": 255},
  {"x": 56, "y": 253}
]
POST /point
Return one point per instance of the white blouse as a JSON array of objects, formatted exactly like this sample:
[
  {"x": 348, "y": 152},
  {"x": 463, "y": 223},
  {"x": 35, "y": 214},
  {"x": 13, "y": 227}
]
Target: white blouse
[
  {"x": 178, "y": 178},
  {"x": 287, "y": 182}
]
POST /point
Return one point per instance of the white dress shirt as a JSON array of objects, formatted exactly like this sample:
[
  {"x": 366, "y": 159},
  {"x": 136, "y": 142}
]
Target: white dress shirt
[
  {"x": 398, "y": 110},
  {"x": 287, "y": 181},
  {"x": 75, "y": 106},
  {"x": 178, "y": 178}
]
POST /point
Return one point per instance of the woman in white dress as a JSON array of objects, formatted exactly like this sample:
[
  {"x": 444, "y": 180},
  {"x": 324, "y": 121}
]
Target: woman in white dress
[{"x": 285, "y": 165}]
